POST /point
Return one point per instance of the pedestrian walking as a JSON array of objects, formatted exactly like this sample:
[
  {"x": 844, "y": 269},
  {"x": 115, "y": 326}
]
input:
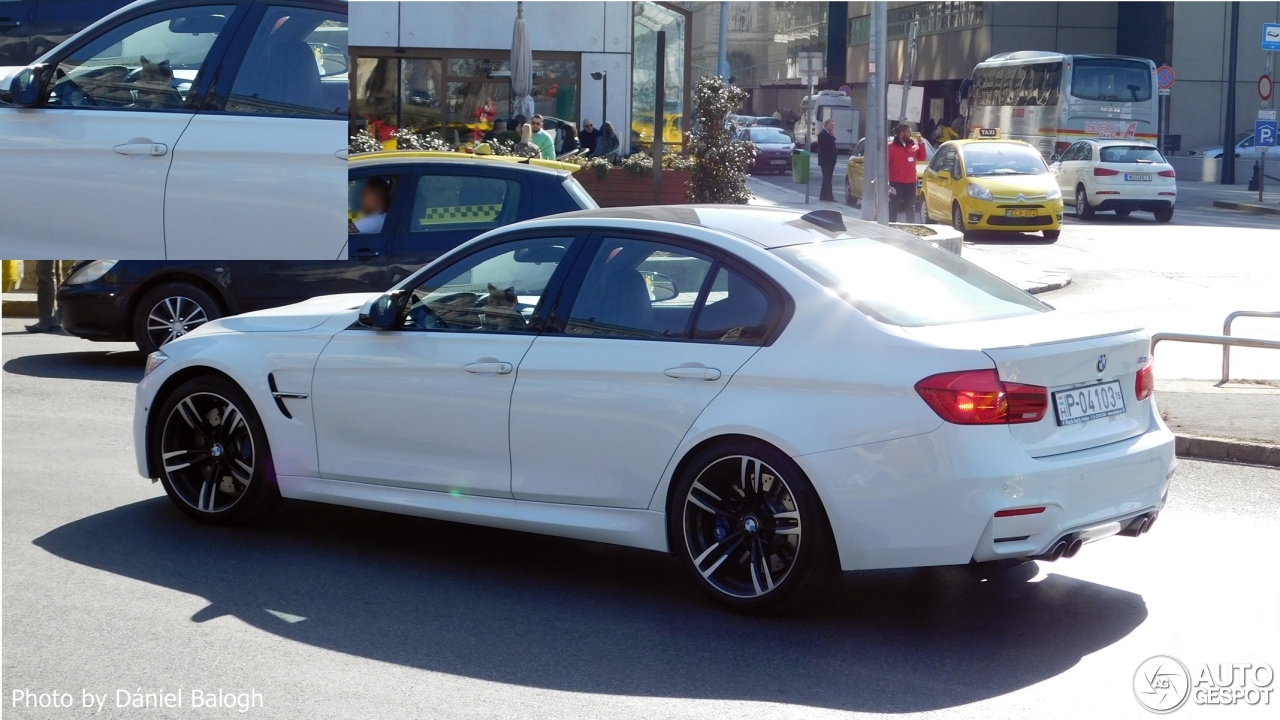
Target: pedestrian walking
[
  {"x": 904, "y": 153},
  {"x": 827, "y": 158},
  {"x": 46, "y": 290}
]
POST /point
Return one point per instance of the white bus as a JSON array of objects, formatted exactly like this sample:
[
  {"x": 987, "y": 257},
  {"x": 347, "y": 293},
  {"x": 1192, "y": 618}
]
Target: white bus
[{"x": 1052, "y": 100}]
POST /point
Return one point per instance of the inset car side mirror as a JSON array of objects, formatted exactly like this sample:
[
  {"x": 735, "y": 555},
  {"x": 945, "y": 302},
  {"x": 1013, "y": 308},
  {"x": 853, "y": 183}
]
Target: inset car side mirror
[
  {"x": 383, "y": 312},
  {"x": 1055, "y": 158},
  {"x": 24, "y": 89},
  {"x": 944, "y": 174},
  {"x": 661, "y": 287}
]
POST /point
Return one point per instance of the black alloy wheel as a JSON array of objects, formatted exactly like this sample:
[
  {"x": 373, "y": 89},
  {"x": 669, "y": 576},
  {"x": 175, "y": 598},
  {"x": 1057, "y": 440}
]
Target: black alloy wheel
[
  {"x": 750, "y": 528},
  {"x": 210, "y": 451}
]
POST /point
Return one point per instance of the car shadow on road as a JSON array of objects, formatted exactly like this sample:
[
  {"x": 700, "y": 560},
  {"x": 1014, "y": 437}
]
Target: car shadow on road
[
  {"x": 996, "y": 237},
  {"x": 107, "y": 366},
  {"x": 585, "y": 617}
]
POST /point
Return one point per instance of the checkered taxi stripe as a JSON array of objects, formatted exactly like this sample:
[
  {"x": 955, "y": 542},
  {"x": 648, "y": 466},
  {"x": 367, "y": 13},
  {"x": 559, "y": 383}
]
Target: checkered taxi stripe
[{"x": 461, "y": 214}]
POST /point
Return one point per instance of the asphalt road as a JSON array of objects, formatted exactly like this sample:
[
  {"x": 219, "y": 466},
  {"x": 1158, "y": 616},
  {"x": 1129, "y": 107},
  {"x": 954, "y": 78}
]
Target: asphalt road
[{"x": 330, "y": 612}]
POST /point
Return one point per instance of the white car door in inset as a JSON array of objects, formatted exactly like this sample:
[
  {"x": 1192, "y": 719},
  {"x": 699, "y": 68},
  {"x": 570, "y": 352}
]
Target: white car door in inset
[
  {"x": 263, "y": 174},
  {"x": 600, "y": 408},
  {"x": 426, "y": 406},
  {"x": 83, "y": 170}
]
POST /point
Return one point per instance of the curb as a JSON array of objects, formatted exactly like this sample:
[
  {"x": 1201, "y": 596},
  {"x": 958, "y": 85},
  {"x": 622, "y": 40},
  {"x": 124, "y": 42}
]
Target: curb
[
  {"x": 19, "y": 309},
  {"x": 1203, "y": 448},
  {"x": 1254, "y": 208}
]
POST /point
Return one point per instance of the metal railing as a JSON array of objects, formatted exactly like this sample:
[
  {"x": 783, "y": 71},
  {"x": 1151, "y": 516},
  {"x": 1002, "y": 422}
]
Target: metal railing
[{"x": 1226, "y": 340}]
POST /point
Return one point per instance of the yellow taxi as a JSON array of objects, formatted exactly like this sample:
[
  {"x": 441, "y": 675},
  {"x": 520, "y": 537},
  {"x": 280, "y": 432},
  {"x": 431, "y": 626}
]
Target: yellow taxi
[
  {"x": 855, "y": 171},
  {"x": 988, "y": 183}
]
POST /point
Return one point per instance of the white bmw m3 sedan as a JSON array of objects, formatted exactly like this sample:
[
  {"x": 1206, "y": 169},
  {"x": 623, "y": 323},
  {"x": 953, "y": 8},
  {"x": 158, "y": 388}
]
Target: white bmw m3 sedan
[{"x": 772, "y": 396}]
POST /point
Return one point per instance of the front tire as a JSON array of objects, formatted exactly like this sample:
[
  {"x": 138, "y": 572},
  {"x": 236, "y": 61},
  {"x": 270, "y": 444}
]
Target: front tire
[
  {"x": 1051, "y": 234},
  {"x": 169, "y": 311},
  {"x": 210, "y": 450},
  {"x": 957, "y": 219},
  {"x": 750, "y": 529},
  {"x": 1084, "y": 210}
]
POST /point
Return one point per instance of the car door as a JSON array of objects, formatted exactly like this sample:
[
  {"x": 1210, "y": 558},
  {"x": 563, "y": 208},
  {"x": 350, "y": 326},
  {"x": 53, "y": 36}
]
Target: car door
[
  {"x": 448, "y": 203},
  {"x": 426, "y": 405},
  {"x": 938, "y": 188},
  {"x": 1064, "y": 171},
  {"x": 85, "y": 166},
  {"x": 261, "y": 171},
  {"x": 270, "y": 283},
  {"x": 651, "y": 329}
]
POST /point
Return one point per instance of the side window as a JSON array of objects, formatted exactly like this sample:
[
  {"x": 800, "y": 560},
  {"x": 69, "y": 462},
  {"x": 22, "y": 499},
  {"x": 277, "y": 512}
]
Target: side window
[
  {"x": 1086, "y": 152},
  {"x": 1070, "y": 153},
  {"x": 368, "y": 200},
  {"x": 497, "y": 289},
  {"x": 860, "y": 148},
  {"x": 736, "y": 311},
  {"x": 463, "y": 202},
  {"x": 939, "y": 159},
  {"x": 638, "y": 289},
  {"x": 296, "y": 64},
  {"x": 149, "y": 63}
]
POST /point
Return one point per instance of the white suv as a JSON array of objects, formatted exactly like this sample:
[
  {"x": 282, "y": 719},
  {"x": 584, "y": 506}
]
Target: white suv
[
  {"x": 1119, "y": 175},
  {"x": 181, "y": 129}
]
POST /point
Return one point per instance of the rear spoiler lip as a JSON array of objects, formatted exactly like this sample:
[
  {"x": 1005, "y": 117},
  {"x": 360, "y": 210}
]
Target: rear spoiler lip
[{"x": 1070, "y": 339}]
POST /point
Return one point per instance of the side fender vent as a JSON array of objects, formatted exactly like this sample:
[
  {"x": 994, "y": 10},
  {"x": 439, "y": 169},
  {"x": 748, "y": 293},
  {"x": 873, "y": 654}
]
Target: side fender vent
[{"x": 280, "y": 397}]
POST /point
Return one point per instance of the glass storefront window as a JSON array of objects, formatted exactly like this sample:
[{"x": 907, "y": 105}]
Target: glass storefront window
[
  {"x": 648, "y": 20},
  {"x": 420, "y": 102},
  {"x": 375, "y": 108}
]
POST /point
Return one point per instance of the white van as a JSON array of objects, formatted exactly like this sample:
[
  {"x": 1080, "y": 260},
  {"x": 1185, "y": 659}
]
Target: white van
[{"x": 833, "y": 105}]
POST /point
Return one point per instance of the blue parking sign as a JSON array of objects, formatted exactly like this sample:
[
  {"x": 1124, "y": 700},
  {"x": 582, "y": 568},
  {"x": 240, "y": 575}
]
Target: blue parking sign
[{"x": 1264, "y": 132}]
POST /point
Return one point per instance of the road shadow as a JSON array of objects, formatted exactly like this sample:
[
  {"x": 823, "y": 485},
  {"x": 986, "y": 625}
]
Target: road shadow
[
  {"x": 998, "y": 237},
  {"x": 108, "y": 366},
  {"x": 584, "y": 617}
]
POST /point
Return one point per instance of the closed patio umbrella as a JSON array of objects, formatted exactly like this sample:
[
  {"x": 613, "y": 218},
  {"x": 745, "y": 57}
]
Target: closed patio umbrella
[{"x": 521, "y": 67}]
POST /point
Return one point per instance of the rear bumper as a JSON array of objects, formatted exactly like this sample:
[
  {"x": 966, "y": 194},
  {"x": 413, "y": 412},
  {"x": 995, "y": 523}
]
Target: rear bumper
[
  {"x": 931, "y": 499},
  {"x": 1106, "y": 202},
  {"x": 774, "y": 163},
  {"x": 95, "y": 311}
]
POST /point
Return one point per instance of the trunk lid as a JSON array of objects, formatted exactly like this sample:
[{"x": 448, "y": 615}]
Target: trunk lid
[{"x": 1061, "y": 353}]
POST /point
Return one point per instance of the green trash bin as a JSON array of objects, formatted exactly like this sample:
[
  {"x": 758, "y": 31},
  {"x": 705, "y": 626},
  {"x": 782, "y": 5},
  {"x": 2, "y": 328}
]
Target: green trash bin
[{"x": 800, "y": 166}]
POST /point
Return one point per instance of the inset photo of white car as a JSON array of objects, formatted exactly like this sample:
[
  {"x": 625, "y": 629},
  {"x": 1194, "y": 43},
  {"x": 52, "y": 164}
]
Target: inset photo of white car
[{"x": 1116, "y": 175}]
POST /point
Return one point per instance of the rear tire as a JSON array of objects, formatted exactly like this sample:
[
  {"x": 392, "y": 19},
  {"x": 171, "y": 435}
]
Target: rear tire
[
  {"x": 1164, "y": 215},
  {"x": 750, "y": 529},
  {"x": 210, "y": 450},
  {"x": 1084, "y": 211},
  {"x": 169, "y": 311},
  {"x": 1122, "y": 213}
]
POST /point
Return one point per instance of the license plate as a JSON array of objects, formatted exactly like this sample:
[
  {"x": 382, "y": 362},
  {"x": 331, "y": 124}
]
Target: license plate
[
  {"x": 1089, "y": 402},
  {"x": 779, "y": 162},
  {"x": 1019, "y": 213},
  {"x": 1137, "y": 177}
]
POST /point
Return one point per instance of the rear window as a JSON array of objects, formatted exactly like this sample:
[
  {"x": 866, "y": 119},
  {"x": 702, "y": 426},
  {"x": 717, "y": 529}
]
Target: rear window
[
  {"x": 909, "y": 283},
  {"x": 1130, "y": 154}
]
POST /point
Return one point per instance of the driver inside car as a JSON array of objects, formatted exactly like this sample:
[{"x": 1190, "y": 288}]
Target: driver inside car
[{"x": 375, "y": 198}]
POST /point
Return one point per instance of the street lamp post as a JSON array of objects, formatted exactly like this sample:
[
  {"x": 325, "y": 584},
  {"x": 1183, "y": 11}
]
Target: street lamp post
[{"x": 604, "y": 105}]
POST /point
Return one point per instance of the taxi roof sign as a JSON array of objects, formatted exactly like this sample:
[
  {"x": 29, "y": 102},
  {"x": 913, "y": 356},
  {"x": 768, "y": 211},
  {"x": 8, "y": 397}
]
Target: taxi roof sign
[{"x": 984, "y": 133}]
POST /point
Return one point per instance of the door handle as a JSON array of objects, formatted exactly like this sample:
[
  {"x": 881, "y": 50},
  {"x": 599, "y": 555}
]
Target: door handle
[
  {"x": 10, "y": 23},
  {"x": 499, "y": 368},
  {"x": 142, "y": 148},
  {"x": 362, "y": 254},
  {"x": 696, "y": 373}
]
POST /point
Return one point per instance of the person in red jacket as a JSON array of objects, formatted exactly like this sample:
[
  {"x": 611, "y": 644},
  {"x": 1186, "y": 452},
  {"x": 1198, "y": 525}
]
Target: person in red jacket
[{"x": 904, "y": 152}]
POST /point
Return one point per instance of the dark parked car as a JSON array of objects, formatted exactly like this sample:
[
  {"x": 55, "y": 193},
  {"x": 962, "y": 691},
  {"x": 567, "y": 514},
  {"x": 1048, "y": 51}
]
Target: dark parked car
[
  {"x": 437, "y": 202},
  {"x": 31, "y": 28},
  {"x": 773, "y": 149}
]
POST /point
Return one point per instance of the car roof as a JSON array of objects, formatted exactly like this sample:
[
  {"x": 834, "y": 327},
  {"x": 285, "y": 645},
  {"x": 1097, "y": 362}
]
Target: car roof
[
  {"x": 399, "y": 157},
  {"x": 767, "y": 227}
]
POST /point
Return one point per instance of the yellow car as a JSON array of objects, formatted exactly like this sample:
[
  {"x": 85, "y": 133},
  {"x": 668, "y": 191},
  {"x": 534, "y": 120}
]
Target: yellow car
[
  {"x": 855, "y": 173},
  {"x": 992, "y": 185}
]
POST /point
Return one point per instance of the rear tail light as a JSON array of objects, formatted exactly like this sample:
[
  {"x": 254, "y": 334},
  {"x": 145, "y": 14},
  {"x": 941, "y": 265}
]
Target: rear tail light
[
  {"x": 979, "y": 397},
  {"x": 1101, "y": 172},
  {"x": 1145, "y": 384},
  {"x": 1168, "y": 173}
]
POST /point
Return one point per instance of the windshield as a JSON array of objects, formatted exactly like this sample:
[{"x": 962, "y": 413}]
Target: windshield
[
  {"x": 1107, "y": 80},
  {"x": 1130, "y": 154},
  {"x": 985, "y": 159},
  {"x": 768, "y": 135},
  {"x": 908, "y": 282}
]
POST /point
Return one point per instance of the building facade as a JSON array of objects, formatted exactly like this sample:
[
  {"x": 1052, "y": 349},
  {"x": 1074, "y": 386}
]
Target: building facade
[
  {"x": 445, "y": 67},
  {"x": 1192, "y": 37}
]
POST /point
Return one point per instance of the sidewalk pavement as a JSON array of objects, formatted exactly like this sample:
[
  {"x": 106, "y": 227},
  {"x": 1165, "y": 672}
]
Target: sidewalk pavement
[
  {"x": 1026, "y": 276},
  {"x": 1229, "y": 197}
]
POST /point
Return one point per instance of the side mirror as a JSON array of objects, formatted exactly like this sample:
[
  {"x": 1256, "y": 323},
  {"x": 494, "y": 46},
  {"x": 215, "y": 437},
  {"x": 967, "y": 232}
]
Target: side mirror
[
  {"x": 383, "y": 312},
  {"x": 661, "y": 286},
  {"x": 1055, "y": 158},
  {"x": 944, "y": 174},
  {"x": 24, "y": 88}
]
